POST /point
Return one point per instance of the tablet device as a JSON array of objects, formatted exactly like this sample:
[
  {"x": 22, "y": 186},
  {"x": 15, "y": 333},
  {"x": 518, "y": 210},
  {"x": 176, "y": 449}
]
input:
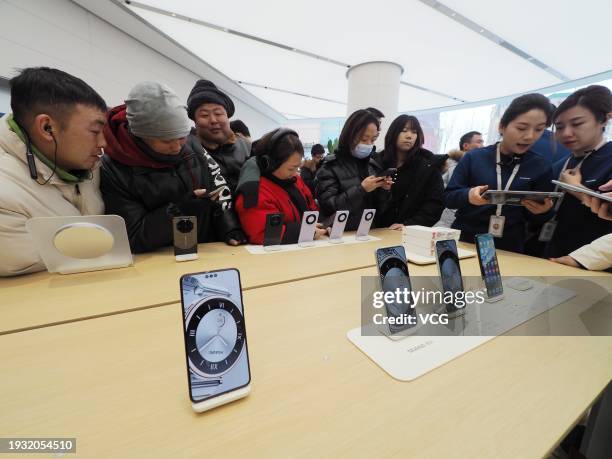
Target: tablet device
[
  {"x": 584, "y": 190},
  {"x": 513, "y": 198}
]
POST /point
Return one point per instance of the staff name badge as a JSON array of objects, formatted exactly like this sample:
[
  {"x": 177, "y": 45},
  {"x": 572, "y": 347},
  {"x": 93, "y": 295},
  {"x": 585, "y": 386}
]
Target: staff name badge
[
  {"x": 496, "y": 225},
  {"x": 547, "y": 231}
]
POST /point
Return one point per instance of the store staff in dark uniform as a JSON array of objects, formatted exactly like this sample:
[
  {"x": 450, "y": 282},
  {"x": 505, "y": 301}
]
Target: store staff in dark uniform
[
  {"x": 507, "y": 165},
  {"x": 580, "y": 123}
]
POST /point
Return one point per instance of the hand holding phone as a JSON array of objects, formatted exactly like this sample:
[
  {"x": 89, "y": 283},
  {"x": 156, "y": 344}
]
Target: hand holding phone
[
  {"x": 372, "y": 182},
  {"x": 389, "y": 172}
]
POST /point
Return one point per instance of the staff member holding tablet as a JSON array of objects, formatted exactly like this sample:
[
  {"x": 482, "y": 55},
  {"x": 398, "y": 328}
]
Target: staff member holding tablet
[
  {"x": 580, "y": 122},
  {"x": 507, "y": 165}
]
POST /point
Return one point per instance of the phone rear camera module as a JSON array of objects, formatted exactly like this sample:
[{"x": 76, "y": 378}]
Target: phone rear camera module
[{"x": 184, "y": 226}]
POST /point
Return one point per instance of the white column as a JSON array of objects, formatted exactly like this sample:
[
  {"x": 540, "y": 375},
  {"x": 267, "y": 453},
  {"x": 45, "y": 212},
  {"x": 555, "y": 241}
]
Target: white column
[{"x": 375, "y": 84}]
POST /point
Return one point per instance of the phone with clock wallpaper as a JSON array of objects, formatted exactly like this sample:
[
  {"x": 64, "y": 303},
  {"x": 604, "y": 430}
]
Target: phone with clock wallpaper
[{"x": 215, "y": 338}]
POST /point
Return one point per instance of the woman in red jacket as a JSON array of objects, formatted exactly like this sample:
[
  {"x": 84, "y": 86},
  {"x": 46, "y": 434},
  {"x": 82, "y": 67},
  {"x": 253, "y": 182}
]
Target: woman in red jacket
[{"x": 269, "y": 183}]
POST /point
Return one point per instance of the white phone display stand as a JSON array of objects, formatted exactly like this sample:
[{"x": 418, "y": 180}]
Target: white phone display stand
[
  {"x": 200, "y": 407},
  {"x": 81, "y": 243}
]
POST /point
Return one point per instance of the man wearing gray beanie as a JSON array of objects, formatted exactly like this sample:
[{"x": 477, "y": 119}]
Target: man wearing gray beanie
[
  {"x": 148, "y": 176},
  {"x": 210, "y": 109}
]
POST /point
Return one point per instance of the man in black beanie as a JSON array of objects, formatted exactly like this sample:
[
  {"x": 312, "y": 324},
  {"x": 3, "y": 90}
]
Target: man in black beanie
[{"x": 210, "y": 109}]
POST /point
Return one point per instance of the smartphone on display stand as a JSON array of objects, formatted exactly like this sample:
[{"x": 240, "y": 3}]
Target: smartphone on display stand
[
  {"x": 449, "y": 271},
  {"x": 367, "y": 217},
  {"x": 214, "y": 331},
  {"x": 185, "y": 235},
  {"x": 337, "y": 229},
  {"x": 307, "y": 229},
  {"x": 393, "y": 274},
  {"x": 273, "y": 232},
  {"x": 489, "y": 267}
]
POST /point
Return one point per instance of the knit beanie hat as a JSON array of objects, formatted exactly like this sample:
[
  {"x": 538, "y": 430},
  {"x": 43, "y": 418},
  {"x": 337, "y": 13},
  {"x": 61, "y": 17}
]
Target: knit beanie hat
[
  {"x": 155, "y": 111},
  {"x": 205, "y": 92}
]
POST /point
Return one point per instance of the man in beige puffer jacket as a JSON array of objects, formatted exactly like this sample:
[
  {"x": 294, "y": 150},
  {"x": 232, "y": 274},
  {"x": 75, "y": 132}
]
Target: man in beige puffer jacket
[{"x": 50, "y": 146}]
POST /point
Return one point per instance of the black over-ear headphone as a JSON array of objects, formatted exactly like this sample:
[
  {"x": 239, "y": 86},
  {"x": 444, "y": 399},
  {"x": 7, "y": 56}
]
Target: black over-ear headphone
[{"x": 276, "y": 138}]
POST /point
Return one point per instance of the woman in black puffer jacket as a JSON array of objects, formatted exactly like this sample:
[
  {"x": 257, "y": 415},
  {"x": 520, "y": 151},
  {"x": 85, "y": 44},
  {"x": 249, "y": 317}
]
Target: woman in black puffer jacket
[
  {"x": 347, "y": 179},
  {"x": 417, "y": 196}
]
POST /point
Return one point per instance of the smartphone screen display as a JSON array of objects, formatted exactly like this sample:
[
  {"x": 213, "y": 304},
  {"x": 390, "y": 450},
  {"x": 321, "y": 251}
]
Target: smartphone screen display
[
  {"x": 215, "y": 333},
  {"x": 393, "y": 273},
  {"x": 449, "y": 270},
  {"x": 273, "y": 230},
  {"x": 489, "y": 267}
]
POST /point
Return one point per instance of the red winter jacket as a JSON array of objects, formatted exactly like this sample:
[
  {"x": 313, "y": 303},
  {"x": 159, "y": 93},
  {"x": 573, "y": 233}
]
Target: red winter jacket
[{"x": 272, "y": 198}]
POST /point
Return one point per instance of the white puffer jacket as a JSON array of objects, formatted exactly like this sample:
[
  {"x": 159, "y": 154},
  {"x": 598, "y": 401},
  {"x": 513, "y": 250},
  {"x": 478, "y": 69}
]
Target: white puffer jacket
[{"x": 22, "y": 198}]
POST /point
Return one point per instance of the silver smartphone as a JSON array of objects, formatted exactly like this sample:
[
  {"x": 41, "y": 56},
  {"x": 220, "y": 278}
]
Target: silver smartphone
[
  {"x": 215, "y": 339},
  {"x": 307, "y": 230},
  {"x": 337, "y": 229},
  {"x": 185, "y": 232},
  {"x": 489, "y": 267}
]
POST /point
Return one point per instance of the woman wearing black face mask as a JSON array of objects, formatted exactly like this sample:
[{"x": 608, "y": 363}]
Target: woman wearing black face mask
[
  {"x": 347, "y": 179},
  {"x": 417, "y": 196}
]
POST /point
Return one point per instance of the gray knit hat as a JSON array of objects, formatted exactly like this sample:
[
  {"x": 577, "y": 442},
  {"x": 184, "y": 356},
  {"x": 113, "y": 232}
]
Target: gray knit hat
[{"x": 155, "y": 111}]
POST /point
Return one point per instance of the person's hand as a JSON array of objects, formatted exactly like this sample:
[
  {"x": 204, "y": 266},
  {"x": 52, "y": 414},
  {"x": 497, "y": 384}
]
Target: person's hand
[
  {"x": 199, "y": 193},
  {"x": 214, "y": 195},
  {"x": 566, "y": 260},
  {"x": 475, "y": 195},
  {"x": 388, "y": 183},
  {"x": 236, "y": 237},
  {"x": 599, "y": 206},
  {"x": 606, "y": 187},
  {"x": 396, "y": 226},
  {"x": 536, "y": 207},
  {"x": 372, "y": 182},
  {"x": 320, "y": 231},
  {"x": 572, "y": 176}
]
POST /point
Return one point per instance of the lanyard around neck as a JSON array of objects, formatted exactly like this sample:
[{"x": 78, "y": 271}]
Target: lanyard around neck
[{"x": 499, "y": 179}]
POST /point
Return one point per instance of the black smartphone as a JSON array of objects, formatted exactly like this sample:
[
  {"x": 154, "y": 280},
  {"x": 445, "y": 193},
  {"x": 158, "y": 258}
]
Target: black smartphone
[
  {"x": 390, "y": 172},
  {"x": 449, "y": 270},
  {"x": 393, "y": 273},
  {"x": 489, "y": 267},
  {"x": 185, "y": 235},
  {"x": 273, "y": 231},
  {"x": 214, "y": 332}
]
